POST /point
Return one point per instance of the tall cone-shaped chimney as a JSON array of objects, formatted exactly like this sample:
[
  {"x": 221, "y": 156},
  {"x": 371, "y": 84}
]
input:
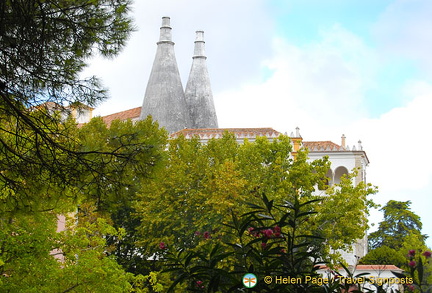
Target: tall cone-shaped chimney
[
  {"x": 199, "y": 97},
  {"x": 164, "y": 98}
]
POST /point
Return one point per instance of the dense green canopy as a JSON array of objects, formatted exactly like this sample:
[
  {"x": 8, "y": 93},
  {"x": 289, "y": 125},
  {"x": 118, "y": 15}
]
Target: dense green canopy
[
  {"x": 44, "y": 46},
  {"x": 399, "y": 222}
]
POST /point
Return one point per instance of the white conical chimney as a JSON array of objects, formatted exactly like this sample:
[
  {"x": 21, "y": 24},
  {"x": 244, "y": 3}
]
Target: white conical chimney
[
  {"x": 164, "y": 98},
  {"x": 198, "y": 93}
]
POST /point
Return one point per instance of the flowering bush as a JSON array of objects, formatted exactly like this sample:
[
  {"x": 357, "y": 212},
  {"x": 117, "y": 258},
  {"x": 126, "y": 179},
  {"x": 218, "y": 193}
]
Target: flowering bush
[
  {"x": 417, "y": 263},
  {"x": 267, "y": 243}
]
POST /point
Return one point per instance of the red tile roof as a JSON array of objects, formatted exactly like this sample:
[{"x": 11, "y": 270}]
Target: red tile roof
[
  {"x": 207, "y": 133},
  {"x": 370, "y": 268},
  {"x": 377, "y": 268},
  {"x": 48, "y": 106},
  {"x": 240, "y": 133},
  {"x": 325, "y": 145},
  {"x": 133, "y": 113}
]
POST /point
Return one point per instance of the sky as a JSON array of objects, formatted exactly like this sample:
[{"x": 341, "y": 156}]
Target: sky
[{"x": 358, "y": 68}]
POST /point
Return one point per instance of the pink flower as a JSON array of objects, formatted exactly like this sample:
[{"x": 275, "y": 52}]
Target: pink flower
[
  {"x": 427, "y": 254},
  {"x": 206, "y": 235},
  {"x": 197, "y": 233},
  {"x": 199, "y": 284},
  {"x": 412, "y": 263},
  {"x": 253, "y": 232},
  {"x": 268, "y": 233},
  {"x": 263, "y": 245},
  {"x": 411, "y": 252},
  {"x": 410, "y": 287},
  {"x": 277, "y": 231},
  {"x": 162, "y": 246}
]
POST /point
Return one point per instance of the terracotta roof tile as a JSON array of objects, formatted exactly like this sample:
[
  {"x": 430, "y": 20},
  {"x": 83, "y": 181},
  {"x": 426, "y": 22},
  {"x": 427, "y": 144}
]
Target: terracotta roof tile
[
  {"x": 378, "y": 267},
  {"x": 48, "y": 106},
  {"x": 369, "y": 268},
  {"x": 218, "y": 132},
  {"x": 133, "y": 113},
  {"x": 325, "y": 145}
]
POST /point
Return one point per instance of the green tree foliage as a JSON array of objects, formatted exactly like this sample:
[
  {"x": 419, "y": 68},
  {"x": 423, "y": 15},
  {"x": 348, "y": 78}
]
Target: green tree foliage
[
  {"x": 44, "y": 45},
  {"x": 348, "y": 222},
  {"x": 201, "y": 185},
  {"x": 184, "y": 197},
  {"x": 114, "y": 181},
  {"x": 266, "y": 242},
  {"x": 384, "y": 255},
  {"x": 418, "y": 262},
  {"x": 28, "y": 180},
  {"x": 399, "y": 241},
  {"x": 88, "y": 247},
  {"x": 144, "y": 143},
  {"x": 36, "y": 258},
  {"x": 399, "y": 222},
  {"x": 85, "y": 266},
  {"x": 25, "y": 261}
]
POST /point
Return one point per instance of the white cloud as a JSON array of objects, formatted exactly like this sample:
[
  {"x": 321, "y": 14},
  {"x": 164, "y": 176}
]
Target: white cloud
[
  {"x": 321, "y": 88},
  {"x": 404, "y": 29},
  {"x": 397, "y": 142},
  {"x": 316, "y": 87}
]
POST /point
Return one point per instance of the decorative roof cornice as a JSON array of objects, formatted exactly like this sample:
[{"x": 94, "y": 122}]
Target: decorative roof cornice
[{"x": 240, "y": 133}]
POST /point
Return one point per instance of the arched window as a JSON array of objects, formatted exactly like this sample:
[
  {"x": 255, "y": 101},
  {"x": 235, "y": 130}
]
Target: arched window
[
  {"x": 339, "y": 172},
  {"x": 329, "y": 176}
]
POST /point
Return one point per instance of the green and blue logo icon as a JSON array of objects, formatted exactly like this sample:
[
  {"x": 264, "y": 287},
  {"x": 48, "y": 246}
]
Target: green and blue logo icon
[{"x": 249, "y": 280}]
